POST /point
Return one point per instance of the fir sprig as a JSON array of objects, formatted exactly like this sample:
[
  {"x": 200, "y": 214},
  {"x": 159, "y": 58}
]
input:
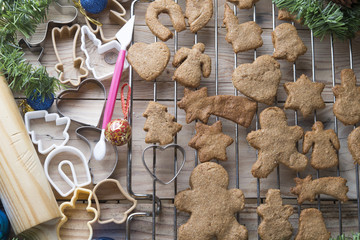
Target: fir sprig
[
  {"x": 23, "y": 16},
  {"x": 324, "y": 17}
]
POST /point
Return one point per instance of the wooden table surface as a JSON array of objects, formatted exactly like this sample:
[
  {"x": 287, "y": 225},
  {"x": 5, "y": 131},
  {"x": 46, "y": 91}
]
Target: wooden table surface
[{"x": 87, "y": 104}]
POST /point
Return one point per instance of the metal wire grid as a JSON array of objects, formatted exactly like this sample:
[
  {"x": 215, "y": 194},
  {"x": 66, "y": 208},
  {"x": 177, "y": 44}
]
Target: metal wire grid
[{"x": 156, "y": 203}]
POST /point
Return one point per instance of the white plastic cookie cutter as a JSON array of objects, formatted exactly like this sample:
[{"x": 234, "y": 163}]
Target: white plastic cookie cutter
[{"x": 72, "y": 184}]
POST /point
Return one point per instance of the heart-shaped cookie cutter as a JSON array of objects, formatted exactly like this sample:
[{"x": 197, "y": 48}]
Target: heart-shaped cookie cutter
[
  {"x": 154, "y": 147},
  {"x": 75, "y": 183},
  {"x": 72, "y": 205},
  {"x": 82, "y": 84},
  {"x": 48, "y": 117},
  {"x": 80, "y": 135},
  {"x": 123, "y": 192},
  {"x": 101, "y": 49}
]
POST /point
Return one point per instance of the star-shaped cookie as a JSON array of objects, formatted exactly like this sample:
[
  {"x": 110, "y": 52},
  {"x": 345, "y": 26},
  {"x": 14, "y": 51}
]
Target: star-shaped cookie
[
  {"x": 304, "y": 95},
  {"x": 210, "y": 142}
]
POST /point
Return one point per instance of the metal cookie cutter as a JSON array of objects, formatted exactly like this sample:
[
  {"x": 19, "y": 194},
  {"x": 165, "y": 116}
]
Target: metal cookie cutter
[
  {"x": 154, "y": 147},
  {"x": 48, "y": 118},
  {"x": 38, "y": 50},
  {"x": 123, "y": 216},
  {"x": 72, "y": 204},
  {"x": 108, "y": 51},
  {"x": 76, "y": 182}
]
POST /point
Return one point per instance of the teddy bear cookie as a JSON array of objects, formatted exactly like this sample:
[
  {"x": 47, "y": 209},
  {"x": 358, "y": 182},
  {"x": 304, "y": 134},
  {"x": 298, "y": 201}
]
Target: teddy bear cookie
[
  {"x": 148, "y": 60},
  {"x": 276, "y": 143},
  {"x": 159, "y": 125},
  {"x": 347, "y": 105},
  {"x": 211, "y": 205},
  {"x": 244, "y": 4},
  {"x": 275, "y": 216},
  {"x": 258, "y": 80},
  {"x": 191, "y": 63},
  {"x": 287, "y": 43},
  {"x": 243, "y": 37},
  {"x": 325, "y": 145},
  {"x": 198, "y": 13},
  {"x": 210, "y": 142},
  {"x": 354, "y": 144},
  {"x": 175, "y": 13},
  {"x": 312, "y": 226},
  {"x": 304, "y": 95}
]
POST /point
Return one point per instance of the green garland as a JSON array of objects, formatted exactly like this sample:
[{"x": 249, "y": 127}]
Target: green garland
[
  {"x": 325, "y": 17},
  {"x": 23, "y": 16}
]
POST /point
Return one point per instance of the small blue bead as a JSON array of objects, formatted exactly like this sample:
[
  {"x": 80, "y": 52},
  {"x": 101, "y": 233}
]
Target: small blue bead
[
  {"x": 37, "y": 104},
  {"x": 94, "y": 6}
]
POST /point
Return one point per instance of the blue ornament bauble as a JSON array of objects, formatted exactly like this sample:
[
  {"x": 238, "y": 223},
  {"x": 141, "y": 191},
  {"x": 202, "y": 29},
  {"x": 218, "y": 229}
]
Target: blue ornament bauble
[
  {"x": 37, "y": 104},
  {"x": 4, "y": 226},
  {"x": 94, "y": 6}
]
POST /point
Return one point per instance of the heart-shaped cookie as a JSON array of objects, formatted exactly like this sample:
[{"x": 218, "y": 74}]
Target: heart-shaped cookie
[
  {"x": 154, "y": 147},
  {"x": 149, "y": 60},
  {"x": 258, "y": 80},
  {"x": 68, "y": 100},
  {"x": 99, "y": 170}
]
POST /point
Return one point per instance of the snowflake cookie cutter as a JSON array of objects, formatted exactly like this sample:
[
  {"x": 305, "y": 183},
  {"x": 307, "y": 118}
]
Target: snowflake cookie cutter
[
  {"x": 154, "y": 147},
  {"x": 72, "y": 204},
  {"x": 75, "y": 183},
  {"x": 102, "y": 49},
  {"x": 124, "y": 214},
  {"x": 48, "y": 117}
]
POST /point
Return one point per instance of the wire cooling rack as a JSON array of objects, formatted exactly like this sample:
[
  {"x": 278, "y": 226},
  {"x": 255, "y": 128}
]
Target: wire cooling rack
[{"x": 156, "y": 202}]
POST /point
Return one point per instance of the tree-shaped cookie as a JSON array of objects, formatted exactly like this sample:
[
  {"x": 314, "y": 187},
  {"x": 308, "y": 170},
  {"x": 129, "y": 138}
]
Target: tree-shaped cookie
[
  {"x": 244, "y": 4},
  {"x": 312, "y": 226},
  {"x": 210, "y": 142},
  {"x": 159, "y": 125},
  {"x": 347, "y": 105},
  {"x": 243, "y": 37},
  {"x": 325, "y": 145},
  {"x": 211, "y": 205},
  {"x": 191, "y": 63},
  {"x": 275, "y": 216},
  {"x": 304, "y": 95},
  {"x": 276, "y": 142}
]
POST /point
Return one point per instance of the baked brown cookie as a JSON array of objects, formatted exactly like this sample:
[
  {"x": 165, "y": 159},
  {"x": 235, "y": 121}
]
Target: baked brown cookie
[
  {"x": 244, "y": 4},
  {"x": 276, "y": 143},
  {"x": 258, "y": 80},
  {"x": 210, "y": 142},
  {"x": 198, "y": 105},
  {"x": 175, "y": 13},
  {"x": 354, "y": 144},
  {"x": 198, "y": 13},
  {"x": 243, "y": 37},
  {"x": 325, "y": 145},
  {"x": 304, "y": 95},
  {"x": 159, "y": 125},
  {"x": 191, "y": 64},
  {"x": 211, "y": 205},
  {"x": 148, "y": 60},
  {"x": 287, "y": 16},
  {"x": 275, "y": 223},
  {"x": 307, "y": 188},
  {"x": 347, "y": 105},
  {"x": 287, "y": 43},
  {"x": 312, "y": 226}
]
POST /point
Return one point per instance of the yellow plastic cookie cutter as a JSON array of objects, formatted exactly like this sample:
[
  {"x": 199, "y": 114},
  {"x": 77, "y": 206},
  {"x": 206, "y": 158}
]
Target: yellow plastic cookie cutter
[{"x": 71, "y": 204}]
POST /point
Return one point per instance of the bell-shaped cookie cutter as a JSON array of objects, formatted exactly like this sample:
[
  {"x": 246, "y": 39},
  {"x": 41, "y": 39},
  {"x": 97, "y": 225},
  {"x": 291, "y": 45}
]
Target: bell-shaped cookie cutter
[
  {"x": 48, "y": 118},
  {"x": 154, "y": 147},
  {"x": 72, "y": 204},
  {"x": 101, "y": 49},
  {"x": 123, "y": 192},
  {"x": 73, "y": 184}
]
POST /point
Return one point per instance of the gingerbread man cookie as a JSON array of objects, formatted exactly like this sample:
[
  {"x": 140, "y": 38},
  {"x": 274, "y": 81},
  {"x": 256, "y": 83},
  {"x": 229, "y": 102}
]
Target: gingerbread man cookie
[
  {"x": 275, "y": 215},
  {"x": 211, "y": 205},
  {"x": 191, "y": 63},
  {"x": 243, "y": 37},
  {"x": 276, "y": 142},
  {"x": 347, "y": 105},
  {"x": 325, "y": 145}
]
